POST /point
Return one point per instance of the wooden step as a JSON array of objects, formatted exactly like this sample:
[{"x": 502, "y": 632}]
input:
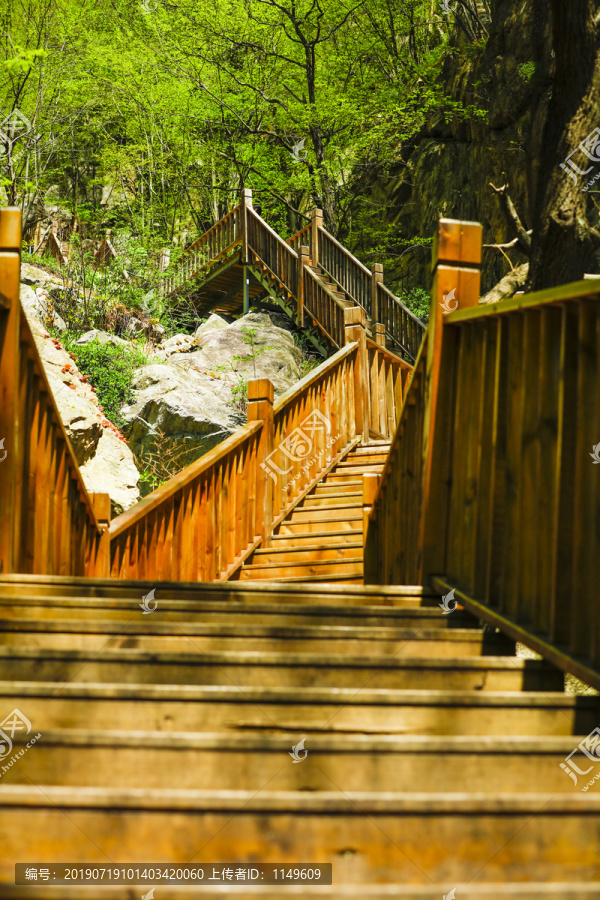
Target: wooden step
[
  {"x": 325, "y": 538},
  {"x": 118, "y": 593},
  {"x": 337, "y": 523},
  {"x": 331, "y": 500},
  {"x": 307, "y": 553},
  {"x": 141, "y": 634},
  {"x": 335, "y": 513},
  {"x": 350, "y": 565},
  {"x": 541, "y": 836},
  {"x": 260, "y": 669},
  {"x": 121, "y": 759},
  {"x": 29, "y": 609},
  {"x": 165, "y": 707}
]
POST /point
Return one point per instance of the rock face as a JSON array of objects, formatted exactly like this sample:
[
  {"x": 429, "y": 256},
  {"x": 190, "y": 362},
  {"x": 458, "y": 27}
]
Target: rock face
[
  {"x": 106, "y": 462},
  {"x": 193, "y": 400},
  {"x": 445, "y": 169}
]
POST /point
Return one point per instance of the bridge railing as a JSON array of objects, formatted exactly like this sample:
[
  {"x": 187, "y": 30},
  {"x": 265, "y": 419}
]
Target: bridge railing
[
  {"x": 492, "y": 487},
  {"x": 269, "y": 251},
  {"x": 345, "y": 269},
  {"x": 402, "y": 327},
  {"x": 51, "y": 525}
]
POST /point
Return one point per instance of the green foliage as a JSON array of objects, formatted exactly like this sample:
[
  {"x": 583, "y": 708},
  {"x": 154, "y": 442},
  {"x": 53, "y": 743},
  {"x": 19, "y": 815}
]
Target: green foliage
[
  {"x": 418, "y": 301},
  {"x": 526, "y": 70},
  {"x": 110, "y": 370}
]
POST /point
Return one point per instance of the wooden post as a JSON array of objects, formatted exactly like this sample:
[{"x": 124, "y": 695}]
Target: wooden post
[
  {"x": 260, "y": 407},
  {"x": 303, "y": 255},
  {"x": 245, "y": 291},
  {"x": 456, "y": 257},
  {"x": 100, "y": 565},
  {"x": 10, "y": 438},
  {"x": 379, "y": 334},
  {"x": 376, "y": 278},
  {"x": 316, "y": 223},
  {"x": 355, "y": 321},
  {"x": 369, "y": 492},
  {"x": 245, "y": 202}
]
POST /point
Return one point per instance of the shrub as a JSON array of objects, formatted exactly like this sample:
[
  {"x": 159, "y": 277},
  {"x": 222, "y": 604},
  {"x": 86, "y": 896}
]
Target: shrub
[{"x": 110, "y": 370}]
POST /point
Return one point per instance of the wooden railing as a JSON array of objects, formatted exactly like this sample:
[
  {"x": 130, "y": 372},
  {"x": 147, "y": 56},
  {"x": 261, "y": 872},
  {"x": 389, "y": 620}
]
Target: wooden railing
[
  {"x": 346, "y": 270},
  {"x": 269, "y": 251},
  {"x": 200, "y": 522},
  {"x": 388, "y": 381},
  {"x": 492, "y": 488},
  {"x": 402, "y": 327},
  {"x": 213, "y": 245},
  {"x": 51, "y": 525},
  {"x": 301, "y": 238},
  {"x": 324, "y": 308}
]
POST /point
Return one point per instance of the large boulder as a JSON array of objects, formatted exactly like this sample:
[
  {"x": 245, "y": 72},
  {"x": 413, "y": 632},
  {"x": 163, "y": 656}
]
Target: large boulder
[
  {"x": 193, "y": 402},
  {"x": 38, "y": 304},
  {"x": 251, "y": 347},
  {"x": 180, "y": 410},
  {"x": 103, "y": 337},
  {"x": 104, "y": 466}
]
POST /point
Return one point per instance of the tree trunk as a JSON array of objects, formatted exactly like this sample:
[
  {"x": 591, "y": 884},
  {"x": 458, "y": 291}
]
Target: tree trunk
[{"x": 563, "y": 241}]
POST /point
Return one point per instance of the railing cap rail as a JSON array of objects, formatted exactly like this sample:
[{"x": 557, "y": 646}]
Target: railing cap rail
[
  {"x": 576, "y": 290},
  {"x": 130, "y": 516},
  {"x": 313, "y": 377},
  {"x": 273, "y": 233}
]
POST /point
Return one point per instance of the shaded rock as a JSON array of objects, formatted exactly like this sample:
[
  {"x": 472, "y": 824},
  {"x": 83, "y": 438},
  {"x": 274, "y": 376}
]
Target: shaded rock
[
  {"x": 37, "y": 304},
  {"x": 112, "y": 470},
  {"x": 103, "y": 336},
  {"x": 178, "y": 409}
]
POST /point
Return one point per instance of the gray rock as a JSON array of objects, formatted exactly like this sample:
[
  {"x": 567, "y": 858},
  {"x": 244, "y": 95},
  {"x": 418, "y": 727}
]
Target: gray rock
[
  {"x": 176, "y": 342},
  {"x": 178, "y": 410},
  {"x": 112, "y": 471},
  {"x": 270, "y": 352},
  {"x": 35, "y": 304},
  {"x": 33, "y": 276},
  {"x": 104, "y": 466},
  {"x": 103, "y": 336},
  {"x": 213, "y": 323}
]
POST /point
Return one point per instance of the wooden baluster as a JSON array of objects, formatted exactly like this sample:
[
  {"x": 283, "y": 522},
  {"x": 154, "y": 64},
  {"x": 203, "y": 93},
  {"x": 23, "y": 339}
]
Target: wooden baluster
[
  {"x": 260, "y": 407},
  {"x": 99, "y": 565},
  {"x": 316, "y": 223},
  {"x": 355, "y": 328},
  {"x": 303, "y": 255},
  {"x": 10, "y": 453},
  {"x": 370, "y": 487}
]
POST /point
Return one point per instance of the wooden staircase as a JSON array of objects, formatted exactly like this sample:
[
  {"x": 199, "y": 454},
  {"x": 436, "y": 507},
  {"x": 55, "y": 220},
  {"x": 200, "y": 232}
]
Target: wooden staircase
[
  {"x": 433, "y": 752},
  {"x": 438, "y": 763},
  {"x": 321, "y": 539}
]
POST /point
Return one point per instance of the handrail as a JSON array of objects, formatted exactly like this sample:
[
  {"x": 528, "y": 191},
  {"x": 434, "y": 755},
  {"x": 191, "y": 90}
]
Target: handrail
[
  {"x": 348, "y": 271},
  {"x": 297, "y": 240},
  {"x": 272, "y": 252},
  {"x": 489, "y": 489},
  {"x": 324, "y": 308},
  {"x": 52, "y": 525},
  {"x": 401, "y": 325},
  {"x": 215, "y": 243},
  {"x": 194, "y": 527}
]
